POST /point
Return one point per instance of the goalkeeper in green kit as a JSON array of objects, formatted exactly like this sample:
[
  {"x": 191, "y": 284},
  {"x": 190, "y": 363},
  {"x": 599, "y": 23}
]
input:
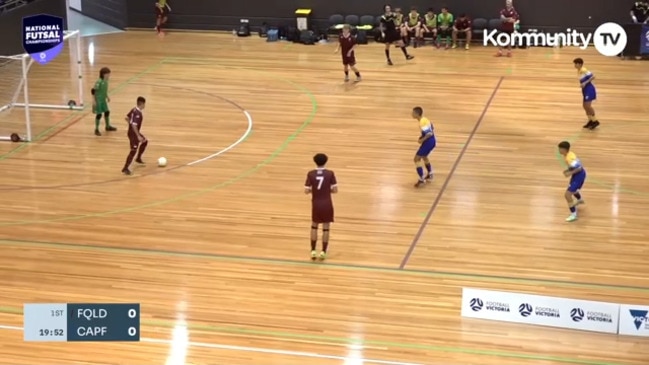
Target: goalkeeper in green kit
[{"x": 100, "y": 101}]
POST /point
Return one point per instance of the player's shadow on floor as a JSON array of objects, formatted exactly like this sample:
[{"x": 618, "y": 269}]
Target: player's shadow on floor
[{"x": 350, "y": 85}]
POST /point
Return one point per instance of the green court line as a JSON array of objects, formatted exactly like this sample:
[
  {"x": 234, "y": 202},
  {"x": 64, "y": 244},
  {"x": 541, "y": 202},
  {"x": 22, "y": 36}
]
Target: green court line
[
  {"x": 245, "y": 174},
  {"x": 574, "y": 138},
  {"x": 297, "y": 263},
  {"x": 54, "y": 127},
  {"x": 337, "y": 340},
  {"x": 267, "y": 161},
  {"x": 286, "y": 335}
]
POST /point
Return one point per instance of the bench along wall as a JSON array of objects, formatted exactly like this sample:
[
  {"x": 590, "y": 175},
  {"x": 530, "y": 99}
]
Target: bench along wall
[
  {"x": 550, "y": 15},
  {"x": 11, "y": 23}
]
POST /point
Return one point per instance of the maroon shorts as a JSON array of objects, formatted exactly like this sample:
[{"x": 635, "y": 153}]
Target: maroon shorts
[
  {"x": 349, "y": 61},
  {"x": 134, "y": 142},
  {"x": 161, "y": 11},
  {"x": 322, "y": 212}
]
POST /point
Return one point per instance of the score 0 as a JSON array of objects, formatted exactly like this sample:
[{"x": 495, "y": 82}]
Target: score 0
[
  {"x": 132, "y": 331},
  {"x": 104, "y": 322}
]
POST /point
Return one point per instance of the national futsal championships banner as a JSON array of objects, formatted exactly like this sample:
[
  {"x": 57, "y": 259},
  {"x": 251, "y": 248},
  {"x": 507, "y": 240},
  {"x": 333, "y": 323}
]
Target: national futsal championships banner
[{"x": 43, "y": 37}]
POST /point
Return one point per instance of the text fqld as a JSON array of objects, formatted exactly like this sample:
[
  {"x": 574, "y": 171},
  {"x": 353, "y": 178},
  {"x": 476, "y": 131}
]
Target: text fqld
[{"x": 91, "y": 314}]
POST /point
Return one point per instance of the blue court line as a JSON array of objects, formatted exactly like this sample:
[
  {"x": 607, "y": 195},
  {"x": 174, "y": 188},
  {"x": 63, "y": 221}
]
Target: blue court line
[{"x": 459, "y": 158}]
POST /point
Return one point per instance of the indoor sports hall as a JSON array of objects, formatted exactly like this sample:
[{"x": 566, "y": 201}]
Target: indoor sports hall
[{"x": 215, "y": 245}]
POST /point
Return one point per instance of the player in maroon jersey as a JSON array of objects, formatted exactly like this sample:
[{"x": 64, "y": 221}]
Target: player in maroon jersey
[
  {"x": 136, "y": 140},
  {"x": 320, "y": 183},
  {"x": 462, "y": 27},
  {"x": 347, "y": 44},
  {"x": 510, "y": 18}
]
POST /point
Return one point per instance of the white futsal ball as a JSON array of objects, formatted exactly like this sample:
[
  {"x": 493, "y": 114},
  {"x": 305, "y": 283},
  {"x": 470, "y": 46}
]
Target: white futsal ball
[{"x": 162, "y": 162}]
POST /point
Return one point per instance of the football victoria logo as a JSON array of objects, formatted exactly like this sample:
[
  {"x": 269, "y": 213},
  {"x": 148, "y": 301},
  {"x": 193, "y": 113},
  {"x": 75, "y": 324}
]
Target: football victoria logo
[
  {"x": 578, "y": 314},
  {"x": 43, "y": 37},
  {"x": 527, "y": 310},
  {"x": 477, "y": 304},
  {"x": 609, "y": 39}
]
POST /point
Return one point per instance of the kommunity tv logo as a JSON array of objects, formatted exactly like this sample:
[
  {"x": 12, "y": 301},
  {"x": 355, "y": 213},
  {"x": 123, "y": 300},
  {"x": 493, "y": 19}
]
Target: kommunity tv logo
[{"x": 609, "y": 39}]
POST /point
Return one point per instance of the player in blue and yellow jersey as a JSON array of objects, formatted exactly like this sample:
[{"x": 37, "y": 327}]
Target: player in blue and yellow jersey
[
  {"x": 577, "y": 175},
  {"x": 427, "y": 144},
  {"x": 588, "y": 91}
]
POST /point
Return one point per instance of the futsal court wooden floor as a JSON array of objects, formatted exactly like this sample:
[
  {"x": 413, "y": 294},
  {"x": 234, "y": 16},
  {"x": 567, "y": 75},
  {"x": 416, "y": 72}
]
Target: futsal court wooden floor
[{"x": 215, "y": 246}]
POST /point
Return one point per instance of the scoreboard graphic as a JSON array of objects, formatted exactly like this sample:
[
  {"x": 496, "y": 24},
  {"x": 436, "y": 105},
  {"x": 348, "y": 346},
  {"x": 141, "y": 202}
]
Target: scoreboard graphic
[{"x": 81, "y": 322}]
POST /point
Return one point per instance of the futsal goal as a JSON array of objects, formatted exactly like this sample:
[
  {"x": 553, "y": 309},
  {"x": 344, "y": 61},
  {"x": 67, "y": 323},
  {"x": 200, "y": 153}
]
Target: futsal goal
[{"x": 34, "y": 97}]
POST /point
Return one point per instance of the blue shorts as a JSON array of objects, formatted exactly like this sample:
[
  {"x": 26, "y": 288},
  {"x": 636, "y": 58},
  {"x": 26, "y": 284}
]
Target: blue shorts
[
  {"x": 577, "y": 182},
  {"x": 589, "y": 93},
  {"x": 426, "y": 148}
]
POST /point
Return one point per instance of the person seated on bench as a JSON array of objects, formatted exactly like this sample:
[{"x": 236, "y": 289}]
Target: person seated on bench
[
  {"x": 413, "y": 27},
  {"x": 462, "y": 28},
  {"x": 640, "y": 12},
  {"x": 400, "y": 24},
  {"x": 429, "y": 26},
  {"x": 444, "y": 27}
]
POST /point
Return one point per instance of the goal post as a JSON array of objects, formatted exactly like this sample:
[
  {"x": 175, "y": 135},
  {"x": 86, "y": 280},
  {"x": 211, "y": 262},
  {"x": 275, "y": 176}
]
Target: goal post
[{"x": 58, "y": 85}]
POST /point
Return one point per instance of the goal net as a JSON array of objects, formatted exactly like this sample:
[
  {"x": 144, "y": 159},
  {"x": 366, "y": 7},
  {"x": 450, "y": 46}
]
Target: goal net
[{"x": 35, "y": 97}]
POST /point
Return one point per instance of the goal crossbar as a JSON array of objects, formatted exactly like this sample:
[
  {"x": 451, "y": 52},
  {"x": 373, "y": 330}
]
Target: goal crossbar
[{"x": 26, "y": 60}]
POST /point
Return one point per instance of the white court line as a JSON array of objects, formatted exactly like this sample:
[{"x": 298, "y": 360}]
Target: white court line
[
  {"x": 93, "y": 34},
  {"x": 259, "y": 350},
  {"x": 241, "y": 139}
]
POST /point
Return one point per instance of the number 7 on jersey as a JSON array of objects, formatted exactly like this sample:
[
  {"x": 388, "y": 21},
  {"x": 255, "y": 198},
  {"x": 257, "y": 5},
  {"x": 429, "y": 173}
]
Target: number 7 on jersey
[{"x": 320, "y": 181}]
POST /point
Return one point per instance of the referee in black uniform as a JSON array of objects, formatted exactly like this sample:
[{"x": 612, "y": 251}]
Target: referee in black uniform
[
  {"x": 640, "y": 12},
  {"x": 390, "y": 34}
]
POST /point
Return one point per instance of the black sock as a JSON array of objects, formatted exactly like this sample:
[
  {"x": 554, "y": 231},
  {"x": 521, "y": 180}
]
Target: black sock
[
  {"x": 358, "y": 74},
  {"x": 129, "y": 159},
  {"x": 405, "y": 52},
  {"x": 577, "y": 195},
  {"x": 325, "y": 239},
  {"x": 313, "y": 245},
  {"x": 387, "y": 54},
  {"x": 346, "y": 73}
]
